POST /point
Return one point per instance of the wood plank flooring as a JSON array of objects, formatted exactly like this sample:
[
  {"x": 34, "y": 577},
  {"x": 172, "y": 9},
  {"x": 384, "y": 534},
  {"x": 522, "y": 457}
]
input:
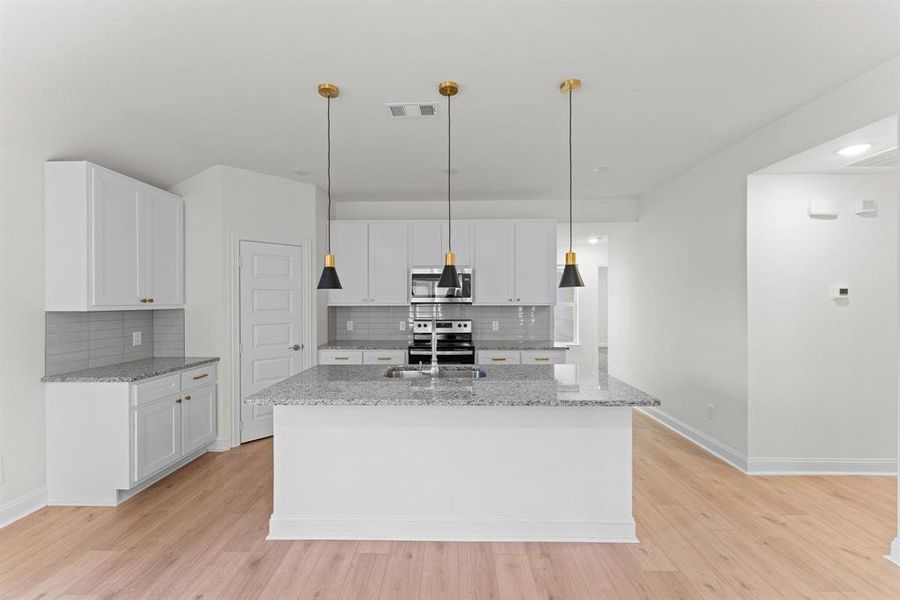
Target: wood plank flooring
[{"x": 706, "y": 531}]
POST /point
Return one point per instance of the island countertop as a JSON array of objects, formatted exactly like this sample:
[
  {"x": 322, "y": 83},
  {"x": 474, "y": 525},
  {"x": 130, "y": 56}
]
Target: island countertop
[{"x": 543, "y": 385}]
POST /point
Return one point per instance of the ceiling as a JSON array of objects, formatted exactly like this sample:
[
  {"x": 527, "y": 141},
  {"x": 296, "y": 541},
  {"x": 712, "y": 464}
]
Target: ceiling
[
  {"x": 824, "y": 158},
  {"x": 163, "y": 90}
]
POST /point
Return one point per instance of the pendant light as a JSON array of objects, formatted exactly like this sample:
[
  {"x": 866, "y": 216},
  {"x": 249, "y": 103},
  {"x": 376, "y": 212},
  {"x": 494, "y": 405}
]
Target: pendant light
[
  {"x": 329, "y": 279},
  {"x": 449, "y": 276},
  {"x": 570, "y": 275}
]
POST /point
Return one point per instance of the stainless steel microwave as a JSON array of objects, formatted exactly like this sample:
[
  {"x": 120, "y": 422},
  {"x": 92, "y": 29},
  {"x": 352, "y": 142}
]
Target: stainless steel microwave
[{"x": 423, "y": 287}]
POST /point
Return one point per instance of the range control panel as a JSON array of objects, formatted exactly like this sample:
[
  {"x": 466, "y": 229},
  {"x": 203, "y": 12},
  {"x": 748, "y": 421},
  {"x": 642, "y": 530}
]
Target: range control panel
[{"x": 442, "y": 326}]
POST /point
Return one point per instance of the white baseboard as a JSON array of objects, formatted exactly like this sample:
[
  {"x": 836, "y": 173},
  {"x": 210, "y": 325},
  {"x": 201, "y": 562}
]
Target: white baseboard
[
  {"x": 707, "y": 442},
  {"x": 453, "y": 529},
  {"x": 219, "y": 445},
  {"x": 822, "y": 466},
  {"x": 23, "y": 506},
  {"x": 894, "y": 556}
]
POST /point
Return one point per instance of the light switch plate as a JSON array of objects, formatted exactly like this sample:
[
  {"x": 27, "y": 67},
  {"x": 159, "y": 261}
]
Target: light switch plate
[
  {"x": 495, "y": 325},
  {"x": 136, "y": 338}
]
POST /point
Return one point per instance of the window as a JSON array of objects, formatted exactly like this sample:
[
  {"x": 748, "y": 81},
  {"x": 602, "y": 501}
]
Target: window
[{"x": 565, "y": 313}]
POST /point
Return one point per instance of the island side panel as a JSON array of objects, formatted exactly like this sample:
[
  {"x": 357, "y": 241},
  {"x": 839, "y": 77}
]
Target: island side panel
[{"x": 453, "y": 473}]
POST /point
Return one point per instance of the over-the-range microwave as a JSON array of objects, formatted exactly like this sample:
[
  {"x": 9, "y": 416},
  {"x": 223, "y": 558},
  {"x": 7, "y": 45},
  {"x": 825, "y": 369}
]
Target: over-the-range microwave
[{"x": 423, "y": 287}]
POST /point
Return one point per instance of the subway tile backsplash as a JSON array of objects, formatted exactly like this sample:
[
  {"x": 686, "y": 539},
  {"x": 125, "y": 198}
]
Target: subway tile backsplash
[
  {"x": 81, "y": 340},
  {"x": 515, "y": 323}
]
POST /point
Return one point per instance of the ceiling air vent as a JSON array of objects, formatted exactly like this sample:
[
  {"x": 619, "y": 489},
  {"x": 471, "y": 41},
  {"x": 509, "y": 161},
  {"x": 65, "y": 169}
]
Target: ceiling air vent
[
  {"x": 412, "y": 110},
  {"x": 886, "y": 159}
]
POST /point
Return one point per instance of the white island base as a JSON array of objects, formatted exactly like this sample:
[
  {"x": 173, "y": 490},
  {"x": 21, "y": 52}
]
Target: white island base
[{"x": 453, "y": 473}]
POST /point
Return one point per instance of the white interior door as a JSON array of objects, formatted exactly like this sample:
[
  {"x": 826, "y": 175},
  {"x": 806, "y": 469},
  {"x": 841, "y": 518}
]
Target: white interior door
[{"x": 271, "y": 336}]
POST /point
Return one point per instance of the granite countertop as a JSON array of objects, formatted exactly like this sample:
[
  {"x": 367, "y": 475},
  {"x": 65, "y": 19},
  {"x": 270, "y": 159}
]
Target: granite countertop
[
  {"x": 544, "y": 385},
  {"x": 135, "y": 370},
  {"x": 365, "y": 345},
  {"x": 404, "y": 344}
]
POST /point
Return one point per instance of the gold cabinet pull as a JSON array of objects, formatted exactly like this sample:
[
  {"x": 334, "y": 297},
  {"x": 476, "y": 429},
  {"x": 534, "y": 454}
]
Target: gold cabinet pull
[
  {"x": 150, "y": 300},
  {"x": 498, "y": 359},
  {"x": 187, "y": 397},
  {"x": 196, "y": 377},
  {"x": 178, "y": 401},
  {"x": 143, "y": 301},
  {"x": 541, "y": 359},
  {"x": 341, "y": 358},
  {"x": 383, "y": 358}
]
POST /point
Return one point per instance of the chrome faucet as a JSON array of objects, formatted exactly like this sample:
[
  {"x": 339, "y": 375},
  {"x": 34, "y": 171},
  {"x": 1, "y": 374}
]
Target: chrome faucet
[{"x": 434, "y": 359}]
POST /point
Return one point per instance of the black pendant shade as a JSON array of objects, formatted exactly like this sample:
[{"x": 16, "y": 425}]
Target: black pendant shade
[
  {"x": 329, "y": 279},
  {"x": 449, "y": 277},
  {"x": 571, "y": 277}
]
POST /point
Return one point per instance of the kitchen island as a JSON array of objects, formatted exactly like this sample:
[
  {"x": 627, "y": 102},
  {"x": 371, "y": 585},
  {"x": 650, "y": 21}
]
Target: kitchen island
[{"x": 526, "y": 453}]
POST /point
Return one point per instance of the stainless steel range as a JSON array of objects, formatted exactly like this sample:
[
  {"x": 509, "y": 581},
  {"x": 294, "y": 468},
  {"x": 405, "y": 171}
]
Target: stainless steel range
[{"x": 453, "y": 342}]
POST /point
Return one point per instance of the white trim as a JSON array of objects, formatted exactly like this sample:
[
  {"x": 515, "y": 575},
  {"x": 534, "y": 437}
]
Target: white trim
[
  {"x": 894, "y": 556},
  {"x": 454, "y": 529},
  {"x": 306, "y": 248},
  {"x": 822, "y": 466},
  {"x": 708, "y": 443},
  {"x": 22, "y": 506},
  {"x": 219, "y": 445}
]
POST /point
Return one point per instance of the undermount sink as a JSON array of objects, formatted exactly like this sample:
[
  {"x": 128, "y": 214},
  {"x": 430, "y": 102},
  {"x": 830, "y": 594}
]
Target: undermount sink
[{"x": 455, "y": 372}]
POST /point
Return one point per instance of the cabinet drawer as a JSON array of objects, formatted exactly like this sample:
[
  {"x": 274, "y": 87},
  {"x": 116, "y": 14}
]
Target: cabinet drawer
[
  {"x": 543, "y": 357},
  {"x": 384, "y": 357},
  {"x": 340, "y": 357},
  {"x": 194, "y": 378},
  {"x": 157, "y": 389},
  {"x": 497, "y": 357}
]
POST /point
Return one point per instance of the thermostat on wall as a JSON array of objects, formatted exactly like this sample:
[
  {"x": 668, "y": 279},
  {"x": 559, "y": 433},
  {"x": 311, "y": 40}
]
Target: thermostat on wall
[
  {"x": 865, "y": 208},
  {"x": 823, "y": 208},
  {"x": 839, "y": 291}
]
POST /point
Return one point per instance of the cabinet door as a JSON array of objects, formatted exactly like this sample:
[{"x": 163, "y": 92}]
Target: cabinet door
[
  {"x": 535, "y": 274},
  {"x": 388, "y": 263},
  {"x": 198, "y": 419},
  {"x": 157, "y": 436},
  {"x": 162, "y": 248},
  {"x": 350, "y": 245},
  {"x": 115, "y": 260},
  {"x": 462, "y": 243},
  {"x": 493, "y": 269},
  {"x": 426, "y": 244}
]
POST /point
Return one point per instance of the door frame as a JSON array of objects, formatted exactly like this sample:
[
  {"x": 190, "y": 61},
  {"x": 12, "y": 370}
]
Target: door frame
[{"x": 306, "y": 321}]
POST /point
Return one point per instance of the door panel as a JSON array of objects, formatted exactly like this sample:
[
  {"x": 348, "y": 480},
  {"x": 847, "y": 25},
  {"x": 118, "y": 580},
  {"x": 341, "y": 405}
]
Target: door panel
[
  {"x": 115, "y": 205},
  {"x": 198, "y": 418},
  {"x": 270, "y": 305},
  {"x": 388, "y": 263},
  {"x": 157, "y": 436},
  {"x": 535, "y": 276},
  {"x": 425, "y": 245},
  {"x": 350, "y": 245},
  {"x": 494, "y": 263},
  {"x": 162, "y": 248}
]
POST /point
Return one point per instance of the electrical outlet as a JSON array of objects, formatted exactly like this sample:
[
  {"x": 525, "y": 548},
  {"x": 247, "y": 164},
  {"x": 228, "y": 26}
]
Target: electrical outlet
[
  {"x": 402, "y": 325},
  {"x": 711, "y": 412},
  {"x": 349, "y": 325},
  {"x": 136, "y": 338},
  {"x": 495, "y": 325}
]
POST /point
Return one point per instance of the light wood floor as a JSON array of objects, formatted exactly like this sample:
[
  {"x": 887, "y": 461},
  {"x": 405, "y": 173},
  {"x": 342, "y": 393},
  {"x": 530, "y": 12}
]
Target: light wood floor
[{"x": 706, "y": 531}]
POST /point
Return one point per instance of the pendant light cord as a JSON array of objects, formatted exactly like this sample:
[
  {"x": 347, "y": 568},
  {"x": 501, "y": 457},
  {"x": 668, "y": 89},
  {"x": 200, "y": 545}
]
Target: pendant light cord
[
  {"x": 449, "y": 221},
  {"x": 328, "y": 130},
  {"x": 570, "y": 170}
]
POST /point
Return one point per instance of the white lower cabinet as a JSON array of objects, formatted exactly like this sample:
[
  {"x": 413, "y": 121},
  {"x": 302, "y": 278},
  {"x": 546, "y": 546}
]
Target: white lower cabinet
[
  {"x": 106, "y": 441},
  {"x": 384, "y": 357},
  {"x": 497, "y": 357},
  {"x": 340, "y": 357},
  {"x": 523, "y": 357}
]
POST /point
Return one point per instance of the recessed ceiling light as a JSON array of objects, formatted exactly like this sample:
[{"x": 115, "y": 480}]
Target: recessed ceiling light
[
  {"x": 593, "y": 240},
  {"x": 854, "y": 150}
]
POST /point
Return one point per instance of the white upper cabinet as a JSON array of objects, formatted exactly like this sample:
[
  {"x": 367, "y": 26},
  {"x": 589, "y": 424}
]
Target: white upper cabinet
[
  {"x": 350, "y": 246},
  {"x": 426, "y": 246},
  {"x": 515, "y": 262},
  {"x": 492, "y": 272},
  {"x": 388, "y": 263},
  {"x": 111, "y": 242},
  {"x": 535, "y": 276}
]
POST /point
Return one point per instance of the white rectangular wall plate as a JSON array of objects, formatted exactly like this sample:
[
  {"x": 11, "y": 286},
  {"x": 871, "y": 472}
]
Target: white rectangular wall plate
[
  {"x": 823, "y": 208},
  {"x": 865, "y": 208},
  {"x": 838, "y": 291},
  {"x": 136, "y": 338}
]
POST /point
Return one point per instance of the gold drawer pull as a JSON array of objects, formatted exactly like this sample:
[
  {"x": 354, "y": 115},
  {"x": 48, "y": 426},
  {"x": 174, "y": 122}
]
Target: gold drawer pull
[
  {"x": 144, "y": 301},
  {"x": 384, "y": 358},
  {"x": 196, "y": 377},
  {"x": 498, "y": 359},
  {"x": 178, "y": 401},
  {"x": 341, "y": 358},
  {"x": 187, "y": 397},
  {"x": 541, "y": 359}
]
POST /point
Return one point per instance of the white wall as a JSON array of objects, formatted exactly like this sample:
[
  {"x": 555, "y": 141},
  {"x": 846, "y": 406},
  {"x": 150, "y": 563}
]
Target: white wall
[
  {"x": 678, "y": 307},
  {"x": 219, "y": 201},
  {"x": 822, "y": 373},
  {"x": 595, "y": 210}
]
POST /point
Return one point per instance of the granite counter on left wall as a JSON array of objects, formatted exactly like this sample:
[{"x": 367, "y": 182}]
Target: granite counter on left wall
[{"x": 135, "y": 370}]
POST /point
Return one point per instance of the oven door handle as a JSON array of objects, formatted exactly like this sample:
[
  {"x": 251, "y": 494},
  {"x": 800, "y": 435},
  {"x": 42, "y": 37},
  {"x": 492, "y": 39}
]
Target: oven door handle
[{"x": 442, "y": 352}]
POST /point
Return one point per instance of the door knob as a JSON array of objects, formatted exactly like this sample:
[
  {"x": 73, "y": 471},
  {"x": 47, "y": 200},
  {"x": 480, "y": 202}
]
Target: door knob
[{"x": 296, "y": 347}]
